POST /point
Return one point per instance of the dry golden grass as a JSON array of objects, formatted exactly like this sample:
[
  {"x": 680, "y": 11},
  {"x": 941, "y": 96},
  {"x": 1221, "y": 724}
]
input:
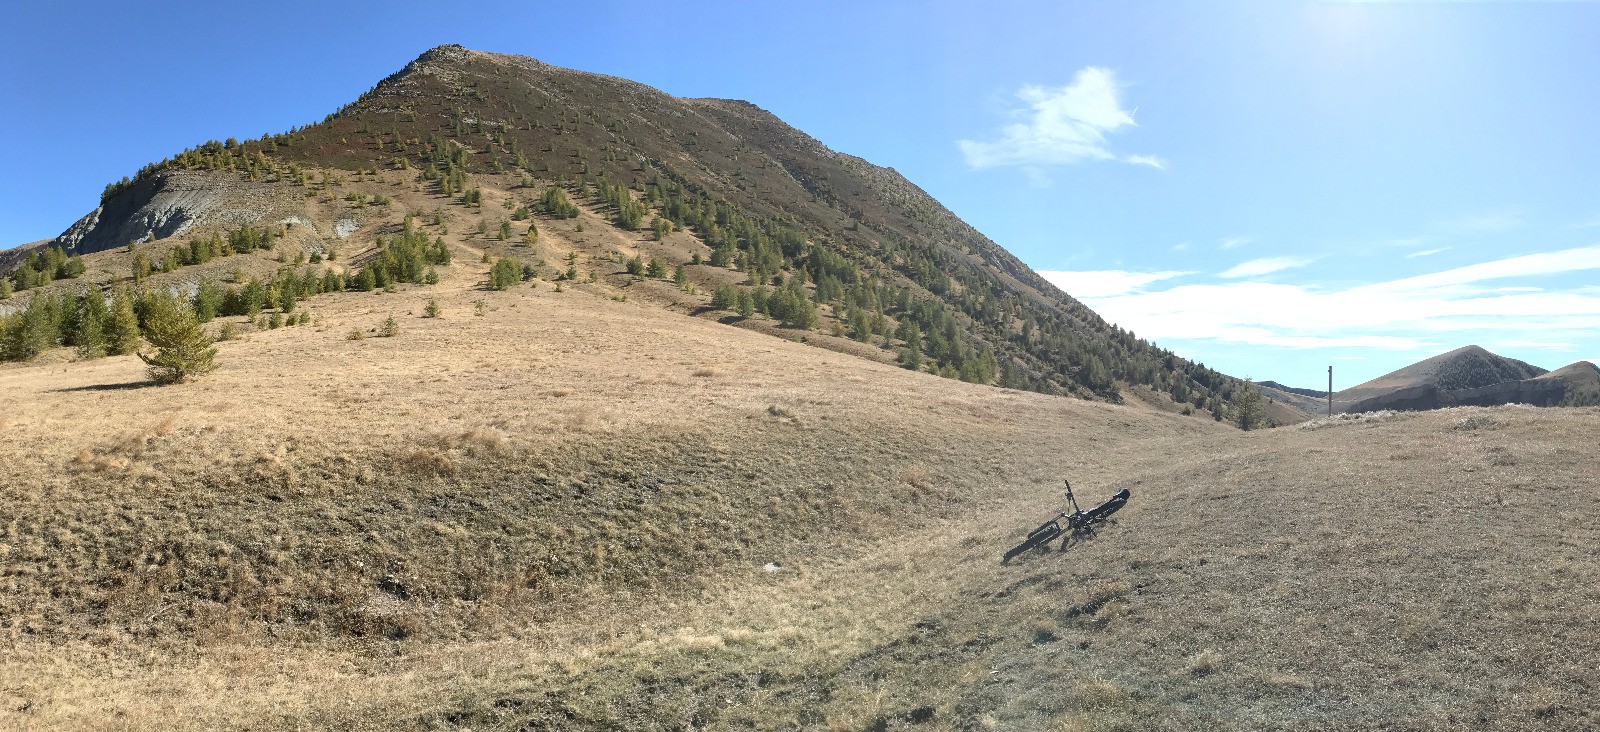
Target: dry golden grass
[
  {"x": 560, "y": 514},
  {"x": 477, "y": 481}
]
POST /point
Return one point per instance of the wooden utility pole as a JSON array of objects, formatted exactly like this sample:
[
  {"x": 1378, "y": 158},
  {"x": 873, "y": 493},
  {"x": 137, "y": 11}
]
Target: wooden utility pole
[{"x": 1330, "y": 391}]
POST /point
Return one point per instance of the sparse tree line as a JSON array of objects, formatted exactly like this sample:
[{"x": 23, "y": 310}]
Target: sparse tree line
[
  {"x": 98, "y": 326},
  {"x": 45, "y": 266},
  {"x": 410, "y": 257},
  {"x": 987, "y": 332}
]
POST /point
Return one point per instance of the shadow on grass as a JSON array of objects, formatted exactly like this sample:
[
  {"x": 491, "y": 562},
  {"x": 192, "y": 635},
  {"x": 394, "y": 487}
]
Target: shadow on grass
[{"x": 110, "y": 387}]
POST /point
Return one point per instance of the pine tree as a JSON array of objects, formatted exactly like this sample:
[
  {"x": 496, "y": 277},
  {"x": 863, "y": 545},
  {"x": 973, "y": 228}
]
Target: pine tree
[
  {"x": 911, "y": 356},
  {"x": 183, "y": 349},
  {"x": 141, "y": 266},
  {"x": 860, "y": 326},
  {"x": 122, "y": 332},
  {"x": 5, "y": 288},
  {"x": 207, "y": 300},
  {"x": 1249, "y": 408},
  {"x": 91, "y": 335},
  {"x": 505, "y": 274},
  {"x": 29, "y": 332}
]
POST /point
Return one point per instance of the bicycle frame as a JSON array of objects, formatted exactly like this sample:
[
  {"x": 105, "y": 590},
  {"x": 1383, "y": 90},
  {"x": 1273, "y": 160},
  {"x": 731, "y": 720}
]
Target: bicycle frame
[{"x": 1080, "y": 522}]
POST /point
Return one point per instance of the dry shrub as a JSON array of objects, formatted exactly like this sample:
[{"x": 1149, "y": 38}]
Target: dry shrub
[
  {"x": 4, "y": 423},
  {"x": 86, "y": 459},
  {"x": 687, "y": 640},
  {"x": 918, "y": 478},
  {"x": 705, "y": 372},
  {"x": 1099, "y": 597},
  {"x": 1099, "y": 694},
  {"x": 1341, "y": 420},
  {"x": 587, "y": 419},
  {"x": 1205, "y": 662},
  {"x": 560, "y": 392},
  {"x": 481, "y": 442},
  {"x": 426, "y": 461},
  {"x": 1477, "y": 422}
]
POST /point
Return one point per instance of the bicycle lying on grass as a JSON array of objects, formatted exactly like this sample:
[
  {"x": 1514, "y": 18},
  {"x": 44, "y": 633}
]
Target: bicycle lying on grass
[{"x": 1079, "y": 524}]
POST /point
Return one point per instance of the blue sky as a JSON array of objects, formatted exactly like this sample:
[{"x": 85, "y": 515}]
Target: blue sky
[{"x": 1268, "y": 187}]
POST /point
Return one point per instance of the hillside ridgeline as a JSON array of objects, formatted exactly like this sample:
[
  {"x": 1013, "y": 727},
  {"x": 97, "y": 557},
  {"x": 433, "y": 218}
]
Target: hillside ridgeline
[
  {"x": 1472, "y": 376},
  {"x": 871, "y": 256}
]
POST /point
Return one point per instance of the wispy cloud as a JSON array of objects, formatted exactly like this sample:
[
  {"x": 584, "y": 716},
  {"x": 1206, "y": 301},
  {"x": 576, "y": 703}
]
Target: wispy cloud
[
  {"x": 1265, "y": 266},
  {"x": 1062, "y": 125},
  {"x": 1105, "y": 282},
  {"x": 1552, "y": 345},
  {"x": 1527, "y": 265},
  {"x": 1425, "y": 312},
  {"x": 1181, "y": 246},
  {"x": 1150, "y": 160},
  {"x": 1234, "y": 242},
  {"x": 1485, "y": 223},
  {"x": 1427, "y": 252}
]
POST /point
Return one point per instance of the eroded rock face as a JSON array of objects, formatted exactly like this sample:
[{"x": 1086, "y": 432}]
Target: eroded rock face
[
  {"x": 1536, "y": 392},
  {"x": 160, "y": 205},
  {"x": 169, "y": 204}
]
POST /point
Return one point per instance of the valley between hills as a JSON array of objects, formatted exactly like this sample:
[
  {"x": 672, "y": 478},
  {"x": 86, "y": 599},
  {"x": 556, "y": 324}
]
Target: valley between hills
[{"x": 591, "y": 499}]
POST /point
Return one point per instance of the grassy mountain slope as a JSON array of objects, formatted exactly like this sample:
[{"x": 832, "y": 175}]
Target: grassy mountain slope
[
  {"x": 474, "y": 479},
  {"x": 557, "y": 514},
  {"x": 1467, "y": 367},
  {"x": 767, "y": 200},
  {"x": 613, "y": 507},
  {"x": 1580, "y": 382}
]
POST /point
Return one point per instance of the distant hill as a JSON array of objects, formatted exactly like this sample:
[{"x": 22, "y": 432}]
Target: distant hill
[
  {"x": 1314, "y": 393},
  {"x": 1464, "y": 368},
  {"x": 1473, "y": 376},
  {"x": 1304, "y": 402}
]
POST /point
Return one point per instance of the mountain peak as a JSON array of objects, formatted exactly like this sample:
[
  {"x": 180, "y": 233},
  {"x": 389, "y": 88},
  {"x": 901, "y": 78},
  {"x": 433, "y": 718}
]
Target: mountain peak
[{"x": 768, "y": 203}]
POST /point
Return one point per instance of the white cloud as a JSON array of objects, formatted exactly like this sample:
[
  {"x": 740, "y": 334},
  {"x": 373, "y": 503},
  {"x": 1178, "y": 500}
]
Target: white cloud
[
  {"x": 1527, "y": 265},
  {"x": 1552, "y": 345},
  {"x": 1265, "y": 266},
  {"x": 1427, "y": 252},
  {"x": 1061, "y": 125},
  {"x": 1424, "y": 313},
  {"x": 1234, "y": 242},
  {"x": 1489, "y": 223},
  {"x": 1150, "y": 160},
  {"x": 1181, "y": 246},
  {"x": 1104, "y": 283}
]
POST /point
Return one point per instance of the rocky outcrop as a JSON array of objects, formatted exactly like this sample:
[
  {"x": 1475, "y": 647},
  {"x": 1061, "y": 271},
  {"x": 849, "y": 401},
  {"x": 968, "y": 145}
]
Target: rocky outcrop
[
  {"x": 166, "y": 204},
  {"x": 1535, "y": 392},
  {"x": 156, "y": 205}
]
